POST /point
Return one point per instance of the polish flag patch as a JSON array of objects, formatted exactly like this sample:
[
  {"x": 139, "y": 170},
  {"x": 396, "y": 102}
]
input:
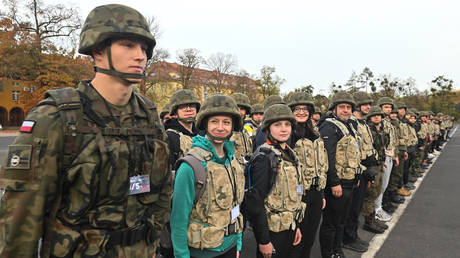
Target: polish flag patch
[{"x": 27, "y": 126}]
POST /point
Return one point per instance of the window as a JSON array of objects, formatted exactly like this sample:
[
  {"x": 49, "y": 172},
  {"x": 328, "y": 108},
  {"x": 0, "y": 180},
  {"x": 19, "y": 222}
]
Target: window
[
  {"x": 15, "y": 95},
  {"x": 15, "y": 84}
]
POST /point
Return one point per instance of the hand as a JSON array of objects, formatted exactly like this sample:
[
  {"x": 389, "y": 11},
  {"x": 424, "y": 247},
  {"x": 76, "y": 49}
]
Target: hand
[
  {"x": 266, "y": 250},
  {"x": 369, "y": 183},
  {"x": 397, "y": 161},
  {"x": 421, "y": 148},
  {"x": 324, "y": 204},
  {"x": 337, "y": 191},
  {"x": 237, "y": 254},
  {"x": 406, "y": 156},
  {"x": 298, "y": 237},
  {"x": 154, "y": 255},
  {"x": 359, "y": 181}
]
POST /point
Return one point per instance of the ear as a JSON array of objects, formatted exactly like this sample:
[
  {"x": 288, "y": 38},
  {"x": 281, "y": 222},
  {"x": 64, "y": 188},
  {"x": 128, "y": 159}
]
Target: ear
[{"x": 98, "y": 54}]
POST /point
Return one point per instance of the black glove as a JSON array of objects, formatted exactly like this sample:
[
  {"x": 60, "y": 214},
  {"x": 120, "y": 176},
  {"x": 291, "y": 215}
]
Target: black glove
[
  {"x": 369, "y": 174},
  {"x": 370, "y": 161}
]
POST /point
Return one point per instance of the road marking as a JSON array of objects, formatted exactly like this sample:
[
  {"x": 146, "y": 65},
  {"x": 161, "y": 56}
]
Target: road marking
[{"x": 377, "y": 241}]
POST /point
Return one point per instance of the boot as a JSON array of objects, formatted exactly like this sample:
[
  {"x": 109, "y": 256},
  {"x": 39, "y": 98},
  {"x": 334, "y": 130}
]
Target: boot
[
  {"x": 389, "y": 207},
  {"x": 381, "y": 224},
  {"x": 397, "y": 198},
  {"x": 371, "y": 225},
  {"x": 403, "y": 192}
]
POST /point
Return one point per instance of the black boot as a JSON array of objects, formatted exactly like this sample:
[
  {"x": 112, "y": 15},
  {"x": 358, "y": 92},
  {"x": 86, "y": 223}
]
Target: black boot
[{"x": 370, "y": 225}]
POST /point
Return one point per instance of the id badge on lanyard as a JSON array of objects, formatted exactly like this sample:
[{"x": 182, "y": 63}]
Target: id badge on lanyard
[{"x": 139, "y": 184}]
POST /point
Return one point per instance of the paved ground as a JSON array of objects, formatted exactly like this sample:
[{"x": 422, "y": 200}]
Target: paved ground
[{"x": 427, "y": 225}]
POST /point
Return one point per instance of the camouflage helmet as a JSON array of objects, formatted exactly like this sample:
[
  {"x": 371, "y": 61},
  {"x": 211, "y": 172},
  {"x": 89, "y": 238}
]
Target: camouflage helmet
[
  {"x": 362, "y": 98},
  {"x": 410, "y": 113},
  {"x": 317, "y": 110},
  {"x": 271, "y": 100},
  {"x": 166, "y": 109},
  {"x": 374, "y": 111},
  {"x": 385, "y": 101},
  {"x": 440, "y": 114},
  {"x": 422, "y": 113},
  {"x": 400, "y": 105},
  {"x": 342, "y": 97},
  {"x": 435, "y": 118},
  {"x": 257, "y": 108},
  {"x": 277, "y": 112},
  {"x": 114, "y": 20},
  {"x": 394, "y": 110},
  {"x": 431, "y": 113},
  {"x": 242, "y": 100},
  {"x": 183, "y": 97},
  {"x": 219, "y": 104},
  {"x": 301, "y": 98}
]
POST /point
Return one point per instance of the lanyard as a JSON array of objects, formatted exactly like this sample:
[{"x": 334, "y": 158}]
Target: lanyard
[{"x": 232, "y": 179}]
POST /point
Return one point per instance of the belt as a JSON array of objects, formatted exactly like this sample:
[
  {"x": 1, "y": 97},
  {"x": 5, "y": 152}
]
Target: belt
[
  {"x": 128, "y": 237},
  {"x": 230, "y": 229}
]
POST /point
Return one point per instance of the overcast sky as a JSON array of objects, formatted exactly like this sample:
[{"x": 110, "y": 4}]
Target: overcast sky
[{"x": 313, "y": 42}]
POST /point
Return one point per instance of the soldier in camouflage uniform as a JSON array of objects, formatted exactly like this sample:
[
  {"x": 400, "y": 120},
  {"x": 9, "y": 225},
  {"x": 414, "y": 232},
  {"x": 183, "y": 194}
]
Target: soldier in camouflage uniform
[
  {"x": 344, "y": 158},
  {"x": 275, "y": 197},
  {"x": 421, "y": 129},
  {"x": 243, "y": 143},
  {"x": 88, "y": 173},
  {"x": 391, "y": 153},
  {"x": 411, "y": 150},
  {"x": 316, "y": 116},
  {"x": 260, "y": 135},
  {"x": 369, "y": 158},
  {"x": 251, "y": 125},
  {"x": 212, "y": 225},
  {"x": 310, "y": 148},
  {"x": 181, "y": 130},
  {"x": 381, "y": 140}
]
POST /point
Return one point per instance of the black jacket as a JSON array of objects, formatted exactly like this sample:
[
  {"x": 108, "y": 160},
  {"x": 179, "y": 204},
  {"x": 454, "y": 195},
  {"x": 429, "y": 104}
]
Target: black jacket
[{"x": 174, "y": 138}]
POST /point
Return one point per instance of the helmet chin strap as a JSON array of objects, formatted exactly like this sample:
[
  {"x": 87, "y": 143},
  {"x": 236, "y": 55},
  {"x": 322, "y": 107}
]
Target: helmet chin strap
[
  {"x": 187, "y": 120},
  {"x": 214, "y": 138},
  {"x": 113, "y": 72}
]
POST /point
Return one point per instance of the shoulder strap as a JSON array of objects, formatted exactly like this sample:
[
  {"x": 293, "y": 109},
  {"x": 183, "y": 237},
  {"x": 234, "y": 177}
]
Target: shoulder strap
[
  {"x": 67, "y": 101},
  {"x": 199, "y": 173},
  {"x": 340, "y": 125}
]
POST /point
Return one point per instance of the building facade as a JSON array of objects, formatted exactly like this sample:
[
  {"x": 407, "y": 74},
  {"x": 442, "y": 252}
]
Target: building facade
[{"x": 11, "y": 102}]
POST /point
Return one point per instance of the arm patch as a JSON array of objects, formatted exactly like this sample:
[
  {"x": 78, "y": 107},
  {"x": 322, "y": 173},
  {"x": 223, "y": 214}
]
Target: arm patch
[{"x": 18, "y": 157}]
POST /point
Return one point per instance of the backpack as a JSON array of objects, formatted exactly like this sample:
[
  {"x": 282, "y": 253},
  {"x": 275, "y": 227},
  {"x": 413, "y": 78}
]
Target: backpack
[{"x": 199, "y": 173}]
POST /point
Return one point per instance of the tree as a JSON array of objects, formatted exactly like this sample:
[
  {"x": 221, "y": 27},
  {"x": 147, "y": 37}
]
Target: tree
[
  {"x": 269, "y": 82},
  {"x": 44, "y": 22},
  {"x": 334, "y": 88},
  {"x": 221, "y": 66},
  {"x": 307, "y": 89},
  {"x": 441, "y": 89},
  {"x": 189, "y": 59}
]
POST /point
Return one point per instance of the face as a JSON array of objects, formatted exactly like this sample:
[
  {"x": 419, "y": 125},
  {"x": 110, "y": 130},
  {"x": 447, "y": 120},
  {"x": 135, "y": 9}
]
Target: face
[
  {"x": 242, "y": 111},
  {"x": 301, "y": 113},
  {"x": 343, "y": 110},
  {"x": 316, "y": 117},
  {"x": 365, "y": 109},
  {"x": 128, "y": 56},
  {"x": 258, "y": 117},
  {"x": 401, "y": 112},
  {"x": 387, "y": 108},
  {"x": 412, "y": 119},
  {"x": 220, "y": 126},
  {"x": 407, "y": 116},
  {"x": 376, "y": 119},
  {"x": 281, "y": 130},
  {"x": 393, "y": 115},
  {"x": 186, "y": 111}
]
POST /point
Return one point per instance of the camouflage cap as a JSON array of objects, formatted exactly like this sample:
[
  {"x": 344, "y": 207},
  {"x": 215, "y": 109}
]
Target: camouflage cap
[
  {"x": 271, "y": 100},
  {"x": 257, "y": 108},
  {"x": 219, "y": 104},
  {"x": 400, "y": 105},
  {"x": 374, "y": 111},
  {"x": 385, "y": 101},
  {"x": 277, "y": 112},
  {"x": 242, "y": 100},
  {"x": 114, "y": 21},
  {"x": 183, "y": 97},
  {"x": 301, "y": 98},
  {"x": 362, "y": 98},
  {"x": 342, "y": 97}
]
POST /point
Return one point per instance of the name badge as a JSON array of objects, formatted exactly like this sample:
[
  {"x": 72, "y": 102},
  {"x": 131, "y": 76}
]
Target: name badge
[
  {"x": 139, "y": 184},
  {"x": 235, "y": 212},
  {"x": 300, "y": 189}
]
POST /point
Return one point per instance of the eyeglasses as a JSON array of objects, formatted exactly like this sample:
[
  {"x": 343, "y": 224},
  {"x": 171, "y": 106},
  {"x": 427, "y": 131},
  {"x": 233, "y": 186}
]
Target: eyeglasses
[
  {"x": 297, "y": 109},
  {"x": 184, "y": 106}
]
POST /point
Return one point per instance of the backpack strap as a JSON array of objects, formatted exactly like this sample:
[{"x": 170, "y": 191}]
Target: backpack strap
[{"x": 199, "y": 173}]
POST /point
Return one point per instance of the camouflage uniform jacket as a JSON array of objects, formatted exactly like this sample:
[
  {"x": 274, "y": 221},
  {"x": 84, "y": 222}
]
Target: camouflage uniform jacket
[
  {"x": 388, "y": 128},
  {"x": 97, "y": 216},
  {"x": 437, "y": 129},
  {"x": 402, "y": 132},
  {"x": 365, "y": 140}
]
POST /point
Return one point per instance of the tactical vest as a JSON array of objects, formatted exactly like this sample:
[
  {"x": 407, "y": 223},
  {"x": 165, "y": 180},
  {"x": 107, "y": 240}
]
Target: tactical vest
[
  {"x": 283, "y": 205},
  {"x": 97, "y": 164},
  {"x": 243, "y": 146},
  {"x": 389, "y": 129},
  {"x": 437, "y": 129},
  {"x": 185, "y": 142},
  {"x": 422, "y": 133},
  {"x": 348, "y": 154},
  {"x": 366, "y": 141},
  {"x": 313, "y": 156},
  {"x": 211, "y": 217},
  {"x": 413, "y": 140},
  {"x": 430, "y": 129},
  {"x": 403, "y": 135}
]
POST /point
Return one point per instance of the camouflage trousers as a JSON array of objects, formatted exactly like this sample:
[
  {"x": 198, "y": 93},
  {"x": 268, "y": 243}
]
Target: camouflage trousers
[
  {"x": 396, "y": 174},
  {"x": 417, "y": 162},
  {"x": 373, "y": 192}
]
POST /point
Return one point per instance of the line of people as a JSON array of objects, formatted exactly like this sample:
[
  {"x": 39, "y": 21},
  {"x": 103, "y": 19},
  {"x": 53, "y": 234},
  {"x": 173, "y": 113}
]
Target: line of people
[{"x": 298, "y": 166}]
